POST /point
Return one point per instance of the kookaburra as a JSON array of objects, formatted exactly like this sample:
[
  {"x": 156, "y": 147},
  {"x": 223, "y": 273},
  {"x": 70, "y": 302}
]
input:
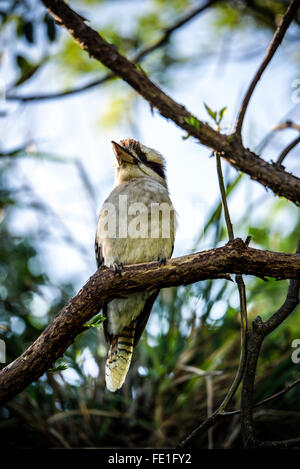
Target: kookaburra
[{"x": 136, "y": 224}]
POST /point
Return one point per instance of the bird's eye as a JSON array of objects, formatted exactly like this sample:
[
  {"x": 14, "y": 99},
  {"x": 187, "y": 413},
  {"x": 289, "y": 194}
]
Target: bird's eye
[{"x": 142, "y": 157}]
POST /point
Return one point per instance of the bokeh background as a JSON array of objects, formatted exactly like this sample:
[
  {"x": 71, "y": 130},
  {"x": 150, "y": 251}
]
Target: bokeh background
[{"x": 56, "y": 170}]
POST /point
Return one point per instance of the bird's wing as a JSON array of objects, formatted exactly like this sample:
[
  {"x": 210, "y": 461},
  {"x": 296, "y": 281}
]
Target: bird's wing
[
  {"x": 143, "y": 317},
  {"x": 99, "y": 255},
  {"x": 140, "y": 321},
  {"x": 100, "y": 262}
]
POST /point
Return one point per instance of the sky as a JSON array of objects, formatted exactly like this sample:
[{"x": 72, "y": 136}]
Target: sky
[{"x": 70, "y": 128}]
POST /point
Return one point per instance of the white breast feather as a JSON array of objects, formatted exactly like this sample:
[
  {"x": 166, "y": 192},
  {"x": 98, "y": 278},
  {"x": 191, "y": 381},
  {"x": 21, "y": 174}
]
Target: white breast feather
[{"x": 133, "y": 251}]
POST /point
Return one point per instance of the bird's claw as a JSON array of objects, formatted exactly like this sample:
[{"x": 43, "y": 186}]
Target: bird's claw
[
  {"x": 118, "y": 268},
  {"x": 162, "y": 261}
]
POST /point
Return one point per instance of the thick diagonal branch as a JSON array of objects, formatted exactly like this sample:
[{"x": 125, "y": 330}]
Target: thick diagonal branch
[
  {"x": 281, "y": 182},
  {"x": 103, "y": 286}
]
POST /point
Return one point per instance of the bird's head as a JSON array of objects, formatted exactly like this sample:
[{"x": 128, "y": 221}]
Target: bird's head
[{"x": 135, "y": 160}]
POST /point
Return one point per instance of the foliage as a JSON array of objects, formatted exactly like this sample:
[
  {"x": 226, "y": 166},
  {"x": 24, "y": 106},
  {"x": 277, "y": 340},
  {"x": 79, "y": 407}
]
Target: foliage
[{"x": 196, "y": 326}]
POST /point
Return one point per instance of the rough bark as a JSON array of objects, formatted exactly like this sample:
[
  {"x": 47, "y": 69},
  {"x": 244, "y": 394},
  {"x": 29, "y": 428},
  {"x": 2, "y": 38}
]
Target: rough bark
[
  {"x": 281, "y": 182},
  {"x": 260, "y": 331},
  {"x": 104, "y": 285}
]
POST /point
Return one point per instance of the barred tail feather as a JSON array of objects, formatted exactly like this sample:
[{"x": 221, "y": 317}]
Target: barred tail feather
[{"x": 119, "y": 358}]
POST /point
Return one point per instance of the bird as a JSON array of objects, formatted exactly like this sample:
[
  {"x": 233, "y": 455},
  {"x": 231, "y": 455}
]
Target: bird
[{"x": 136, "y": 223}]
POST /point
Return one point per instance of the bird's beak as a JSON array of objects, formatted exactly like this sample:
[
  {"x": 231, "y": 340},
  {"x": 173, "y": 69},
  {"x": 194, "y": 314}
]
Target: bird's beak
[{"x": 123, "y": 155}]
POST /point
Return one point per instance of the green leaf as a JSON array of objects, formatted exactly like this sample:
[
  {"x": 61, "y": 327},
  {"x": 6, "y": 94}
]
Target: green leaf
[
  {"x": 193, "y": 121},
  {"x": 222, "y": 113},
  {"x": 96, "y": 321},
  {"x": 60, "y": 367},
  {"x": 217, "y": 116},
  {"x": 213, "y": 114}
]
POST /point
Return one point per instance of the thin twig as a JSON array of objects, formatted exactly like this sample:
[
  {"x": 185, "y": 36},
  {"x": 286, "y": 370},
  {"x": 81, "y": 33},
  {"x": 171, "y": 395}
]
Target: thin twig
[
  {"x": 214, "y": 418},
  {"x": 242, "y": 295},
  {"x": 168, "y": 31},
  {"x": 209, "y": 393},
  {"x": 283, "y": 124},
  {"x": 200, "y": 430},
  {"x": 260, "y": 331},
  {"x": 60, "y": 94},
  {"x": 276, "y": 41},
  {"x": 292, "y": 443},
  {"x": 287, "y": 150},
  {"x": 287, "y": 125},
  {"x": 267, "y": 400},
  {"x": 138, "y": 57},
  {"x": 278, "y": 394},
  {"x": 243, "y": 353},
  {"x": 223, "y": 197}
]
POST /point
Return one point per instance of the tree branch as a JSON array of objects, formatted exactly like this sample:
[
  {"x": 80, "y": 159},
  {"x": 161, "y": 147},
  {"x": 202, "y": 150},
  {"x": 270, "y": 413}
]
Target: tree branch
[
  {"x": 170, "y": 30},
  {"x": 60, "y": 94},
  {"x": 286, "y": 125},
  {"x": 223, "y": 198},
  {"x": 267, "y": 399},
  {"x": 260, "y": 331},
  {"x": 104, "y": 285},
  {"x": 199, "y": 431},
  {"x": 275, "y": 43},
  {"x": 287, "y": 150},
  {"x": 281, "y": 182},
  {"x": 242, "y": 296},
  {"x": 214, "y": 417}
]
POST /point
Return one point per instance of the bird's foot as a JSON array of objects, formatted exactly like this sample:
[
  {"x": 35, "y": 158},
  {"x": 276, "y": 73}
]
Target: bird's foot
[
  {"x": 118, "y": 268},
  {"x": 162, "y": 261}
]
